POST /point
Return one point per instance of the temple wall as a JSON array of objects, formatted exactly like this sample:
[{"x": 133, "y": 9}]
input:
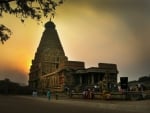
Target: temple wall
[{"x": 72, "y": 65}]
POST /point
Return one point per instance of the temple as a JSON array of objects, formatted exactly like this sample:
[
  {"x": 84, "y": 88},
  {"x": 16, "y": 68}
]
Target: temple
[{"x": 51, "y": 69}]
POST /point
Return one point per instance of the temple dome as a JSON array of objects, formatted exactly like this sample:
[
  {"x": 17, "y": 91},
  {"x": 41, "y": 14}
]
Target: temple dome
[{"x": 49, "y": 24}]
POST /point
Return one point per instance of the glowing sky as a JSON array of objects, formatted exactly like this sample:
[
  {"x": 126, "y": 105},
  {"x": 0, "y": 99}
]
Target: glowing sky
[{"x": 92, "y": 31}]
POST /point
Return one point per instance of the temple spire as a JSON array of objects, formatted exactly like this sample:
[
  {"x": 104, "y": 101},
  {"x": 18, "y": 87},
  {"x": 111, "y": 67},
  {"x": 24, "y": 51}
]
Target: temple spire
[{"x": 49, "y": 53}]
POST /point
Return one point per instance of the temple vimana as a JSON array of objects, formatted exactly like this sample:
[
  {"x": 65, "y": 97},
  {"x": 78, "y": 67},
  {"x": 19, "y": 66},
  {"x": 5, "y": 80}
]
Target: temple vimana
[{"x": 51, "y": 69}]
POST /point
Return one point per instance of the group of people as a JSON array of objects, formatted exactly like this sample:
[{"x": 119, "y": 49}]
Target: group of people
[
  {"x": 88, "y": 94},
  {"x": 35, "y": 93},
  {"x": 138, "y": 87}
]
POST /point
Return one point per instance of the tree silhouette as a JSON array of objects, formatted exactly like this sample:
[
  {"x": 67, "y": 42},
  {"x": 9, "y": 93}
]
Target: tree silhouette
[
  {"x": 144, "y": 78},
  {"x": 23, "y": 9}
]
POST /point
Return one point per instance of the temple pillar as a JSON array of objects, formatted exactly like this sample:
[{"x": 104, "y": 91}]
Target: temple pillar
[
  {"x": 89, "y": 81},
  {"x": 80, "y": 79},
  {"x": 92, "y": 78}
]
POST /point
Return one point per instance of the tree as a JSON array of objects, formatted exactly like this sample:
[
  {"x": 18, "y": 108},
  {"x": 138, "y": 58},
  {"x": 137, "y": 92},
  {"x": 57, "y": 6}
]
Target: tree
[
  {"x": 144, "y": 78},
  {"x": 23, "y": 9}
]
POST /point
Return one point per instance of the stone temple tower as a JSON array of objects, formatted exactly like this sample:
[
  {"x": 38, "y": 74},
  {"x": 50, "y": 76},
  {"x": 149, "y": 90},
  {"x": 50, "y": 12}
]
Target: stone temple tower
[{"x": 48, "y": 56}]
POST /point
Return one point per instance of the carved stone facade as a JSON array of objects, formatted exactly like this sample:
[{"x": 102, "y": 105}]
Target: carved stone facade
[
  {"x": 48, "y": 57},
  {"x": 52, "y": 70}
]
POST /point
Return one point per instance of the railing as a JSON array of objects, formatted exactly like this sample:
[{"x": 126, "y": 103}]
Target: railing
[{"x": 126, "y": 95}]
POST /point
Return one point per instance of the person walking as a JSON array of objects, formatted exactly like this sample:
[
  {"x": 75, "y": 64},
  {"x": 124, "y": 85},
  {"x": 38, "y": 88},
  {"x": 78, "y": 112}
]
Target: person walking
[{"x": 49, "y": 94}]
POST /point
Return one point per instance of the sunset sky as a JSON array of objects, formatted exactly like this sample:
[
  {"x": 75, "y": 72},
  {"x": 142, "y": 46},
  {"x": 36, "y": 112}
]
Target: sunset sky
[{"x": 92, "y": 31}]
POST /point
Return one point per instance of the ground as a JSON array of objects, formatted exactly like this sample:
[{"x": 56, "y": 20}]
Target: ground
[{"x": 29, "y": 104}]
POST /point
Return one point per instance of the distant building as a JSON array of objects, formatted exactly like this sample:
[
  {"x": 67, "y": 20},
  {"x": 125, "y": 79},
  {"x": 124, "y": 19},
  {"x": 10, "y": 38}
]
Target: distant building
[{"x": 52, "y": 70}]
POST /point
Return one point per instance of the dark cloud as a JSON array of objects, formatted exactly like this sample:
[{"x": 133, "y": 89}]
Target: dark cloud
[
  {"x": 136, "y": 15},
  {"x": 116, "y": 4}
]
